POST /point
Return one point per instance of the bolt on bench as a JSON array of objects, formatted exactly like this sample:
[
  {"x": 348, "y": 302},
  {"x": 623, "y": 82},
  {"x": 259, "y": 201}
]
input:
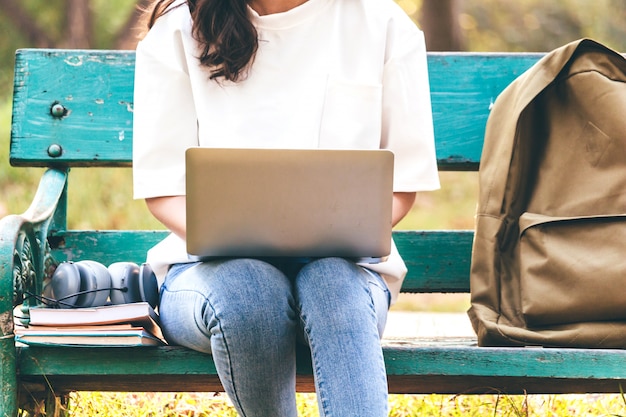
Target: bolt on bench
[{"x": 73, "y": 108}]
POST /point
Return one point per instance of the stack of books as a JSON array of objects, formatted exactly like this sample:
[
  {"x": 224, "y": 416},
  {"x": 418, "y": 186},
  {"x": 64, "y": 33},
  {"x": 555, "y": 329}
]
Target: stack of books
[{"x": 134, "y": 324}]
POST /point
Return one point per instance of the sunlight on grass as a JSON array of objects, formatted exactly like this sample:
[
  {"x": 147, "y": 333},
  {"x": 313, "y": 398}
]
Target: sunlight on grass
[
  {"x": 111, "y": 206},
  {"x": 434, "y": 303},
  {"x": 451, "y": 207},
  {"x": 212, "y": 404}
]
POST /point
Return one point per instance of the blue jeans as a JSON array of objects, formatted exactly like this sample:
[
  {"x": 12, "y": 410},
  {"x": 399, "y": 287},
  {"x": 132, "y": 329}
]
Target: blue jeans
[{"x": 250, "y": 314}]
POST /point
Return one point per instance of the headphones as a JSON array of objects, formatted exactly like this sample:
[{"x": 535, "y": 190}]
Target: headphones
[{"x": 91, "y": 284}]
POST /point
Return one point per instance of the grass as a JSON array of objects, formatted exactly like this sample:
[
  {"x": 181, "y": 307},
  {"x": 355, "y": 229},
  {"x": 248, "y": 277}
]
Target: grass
[
  {"x": 451, "y": 207},
  {"x": 211, "y": 404}
]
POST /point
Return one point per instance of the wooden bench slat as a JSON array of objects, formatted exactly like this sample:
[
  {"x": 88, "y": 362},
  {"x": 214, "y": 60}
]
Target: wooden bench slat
[
  {"x": 438, "y": 261},
  {"x": 463, "y": 88},
  {"x": 476, "y": 370},
  {"x": 96, "y": 88},
  {"x": 100, "y": 245}
]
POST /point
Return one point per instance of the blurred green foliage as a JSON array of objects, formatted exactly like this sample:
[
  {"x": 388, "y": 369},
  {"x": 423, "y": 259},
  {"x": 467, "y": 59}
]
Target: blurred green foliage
[
  {"x": 534, "y": 25},
  {"x": 109, "y": 17},
  {"x": 538, "y": 25}
]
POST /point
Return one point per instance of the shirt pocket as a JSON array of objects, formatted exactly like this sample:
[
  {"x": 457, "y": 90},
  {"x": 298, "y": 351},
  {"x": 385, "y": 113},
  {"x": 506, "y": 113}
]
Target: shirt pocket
[
  {"x": 351, "y": 115},
  {"x": 264, "y": 112}
]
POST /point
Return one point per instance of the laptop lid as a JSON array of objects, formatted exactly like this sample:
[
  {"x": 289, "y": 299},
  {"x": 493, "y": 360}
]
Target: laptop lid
[{"x": 289, "y": 203}]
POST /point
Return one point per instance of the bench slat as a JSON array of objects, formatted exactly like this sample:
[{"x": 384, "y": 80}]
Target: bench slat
[
  {"x": 463, "y": 88},
  {"x": 411, "y": 367},
  {"x": 438, "y": 261},
  {"x": 96, "y": 88}
]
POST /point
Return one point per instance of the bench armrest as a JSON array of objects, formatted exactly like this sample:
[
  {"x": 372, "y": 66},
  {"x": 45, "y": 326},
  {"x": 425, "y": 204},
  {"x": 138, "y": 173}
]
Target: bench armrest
[
  {"x": 24, "y": 253},
  {"x": 24, "y": 260}
]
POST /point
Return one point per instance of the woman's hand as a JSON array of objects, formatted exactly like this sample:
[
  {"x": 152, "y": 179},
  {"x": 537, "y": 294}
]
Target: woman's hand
[{"x": 171, "y": 211}]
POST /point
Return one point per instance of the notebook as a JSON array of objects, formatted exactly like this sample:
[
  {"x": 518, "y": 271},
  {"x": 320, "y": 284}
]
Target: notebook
[{"x": 289, "y": 203}]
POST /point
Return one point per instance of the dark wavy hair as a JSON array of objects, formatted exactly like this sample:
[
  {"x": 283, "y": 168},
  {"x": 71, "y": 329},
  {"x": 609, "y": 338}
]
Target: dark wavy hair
[{"x": 228, "y": 39}]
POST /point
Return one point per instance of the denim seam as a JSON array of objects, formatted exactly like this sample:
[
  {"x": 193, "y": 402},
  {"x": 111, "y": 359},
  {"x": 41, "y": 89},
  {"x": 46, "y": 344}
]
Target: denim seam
[
  {"x": 318, "y": 383},
  {"x": 373, "y": 310},
  {"x": 230, "y": 363},
  {"x": 219, "y": 324}
]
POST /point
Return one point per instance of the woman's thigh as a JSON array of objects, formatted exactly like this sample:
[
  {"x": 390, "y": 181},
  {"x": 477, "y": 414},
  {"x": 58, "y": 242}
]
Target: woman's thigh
[{"x": 201, "y": 300}]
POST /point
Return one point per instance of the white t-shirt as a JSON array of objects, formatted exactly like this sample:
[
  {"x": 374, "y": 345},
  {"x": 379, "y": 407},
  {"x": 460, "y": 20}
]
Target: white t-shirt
[{"x": 343, "y": 74}]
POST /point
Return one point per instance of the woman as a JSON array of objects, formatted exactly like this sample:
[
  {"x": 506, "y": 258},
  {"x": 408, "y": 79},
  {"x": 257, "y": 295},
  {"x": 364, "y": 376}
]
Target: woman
[{"x": 280, "y": 74}]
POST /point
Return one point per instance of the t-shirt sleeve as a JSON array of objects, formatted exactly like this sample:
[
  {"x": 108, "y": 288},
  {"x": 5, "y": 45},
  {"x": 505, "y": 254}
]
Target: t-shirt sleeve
[
  {"x": 165, "y": 122},
  {"x": 407, "y": 125}
]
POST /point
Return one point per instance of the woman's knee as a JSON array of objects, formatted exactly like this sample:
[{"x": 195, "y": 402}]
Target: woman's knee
[
  {"x": 332, "y": 287},
  {"x": 328, "y": 276},
  {"x": 338, "y": 288}
]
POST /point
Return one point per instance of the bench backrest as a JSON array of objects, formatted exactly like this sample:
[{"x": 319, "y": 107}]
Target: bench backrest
[{"x": 74, "y": 108}]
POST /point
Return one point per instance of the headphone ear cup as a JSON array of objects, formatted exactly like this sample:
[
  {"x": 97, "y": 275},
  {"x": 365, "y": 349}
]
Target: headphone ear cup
[
  {"x": 148, "y": 285},
  {"x": 65, "y": 282},
  {"x": 124, "y": 282},
  {"x": 98, "y": 280},
  {"x": 80, "y": 284}
]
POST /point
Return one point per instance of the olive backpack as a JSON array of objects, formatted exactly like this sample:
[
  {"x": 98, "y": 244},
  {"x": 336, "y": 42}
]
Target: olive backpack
[{"x": 549, "y": 254}]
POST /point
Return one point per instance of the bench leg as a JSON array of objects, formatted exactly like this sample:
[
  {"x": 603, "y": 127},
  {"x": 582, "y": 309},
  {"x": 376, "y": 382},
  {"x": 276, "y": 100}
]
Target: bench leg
[{"x": 8, "y": 376}]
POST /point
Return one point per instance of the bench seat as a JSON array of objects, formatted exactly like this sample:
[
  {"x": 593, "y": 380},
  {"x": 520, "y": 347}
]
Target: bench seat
[{"x": 414, "y": 366}]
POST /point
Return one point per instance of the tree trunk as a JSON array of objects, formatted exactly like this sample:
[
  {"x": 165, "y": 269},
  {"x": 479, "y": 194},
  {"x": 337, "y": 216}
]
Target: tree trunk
[
  {"x": 28, "y": 27},
  {"x": 78, "y": 25},
  {"x": 440, "y": 23}
]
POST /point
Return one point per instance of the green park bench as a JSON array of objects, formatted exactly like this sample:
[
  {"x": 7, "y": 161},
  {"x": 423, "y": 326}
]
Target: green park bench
[{"x": 73, "y": 108}]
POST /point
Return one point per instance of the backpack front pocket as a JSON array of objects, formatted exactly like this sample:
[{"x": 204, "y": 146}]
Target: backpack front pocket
[{"x": 573, "y": 269}]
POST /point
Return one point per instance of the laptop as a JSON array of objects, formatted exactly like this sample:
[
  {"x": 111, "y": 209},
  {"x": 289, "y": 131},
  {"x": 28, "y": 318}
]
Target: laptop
[{"x": 289, "y": 203}]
